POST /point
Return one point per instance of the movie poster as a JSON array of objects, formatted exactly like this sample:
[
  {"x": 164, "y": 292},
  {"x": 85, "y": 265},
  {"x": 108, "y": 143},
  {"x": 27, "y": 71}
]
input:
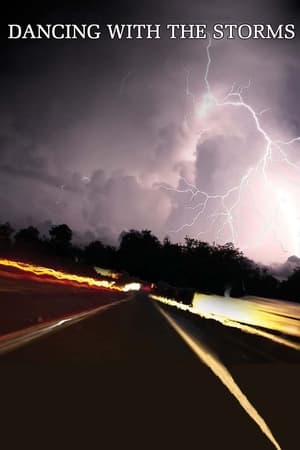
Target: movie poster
[{"x": 150, "y": 224}]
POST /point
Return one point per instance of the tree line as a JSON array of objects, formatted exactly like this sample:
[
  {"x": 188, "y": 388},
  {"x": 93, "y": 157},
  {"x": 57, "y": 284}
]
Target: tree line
[{"x": 219, "y": 269}]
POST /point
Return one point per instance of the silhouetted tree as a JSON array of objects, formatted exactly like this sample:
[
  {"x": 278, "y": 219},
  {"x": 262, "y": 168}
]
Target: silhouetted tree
[
  {"x": 6, "y": 232},
  {"x": 61, "y": 234},
  {"x": 27, "y": 242},
  {"x": 171, "y": 263},
  {"x": 290, "y": 289},
  {"x": 94, "y": 253},
  {"x": 139, "y": 253},
  {"x": 198, "y": 264},
  {"x": 193, "y": 265},
  {"x": 29, "y": 235},
  {"x": 60, "y": 240}
]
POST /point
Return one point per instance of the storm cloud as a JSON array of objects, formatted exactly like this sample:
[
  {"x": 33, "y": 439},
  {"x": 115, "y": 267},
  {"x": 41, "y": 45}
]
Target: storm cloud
[{"x": 101, "y": 134}]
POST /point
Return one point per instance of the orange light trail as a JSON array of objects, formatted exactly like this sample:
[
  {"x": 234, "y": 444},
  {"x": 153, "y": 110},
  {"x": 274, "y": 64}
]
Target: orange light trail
[
  {"x": 246, "y": 315},
  {"x": 66, "y": 278}
]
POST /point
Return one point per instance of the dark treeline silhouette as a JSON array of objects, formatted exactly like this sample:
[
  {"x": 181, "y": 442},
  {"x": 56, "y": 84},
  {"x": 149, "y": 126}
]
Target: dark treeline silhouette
[{"x": 219, "y": 269}]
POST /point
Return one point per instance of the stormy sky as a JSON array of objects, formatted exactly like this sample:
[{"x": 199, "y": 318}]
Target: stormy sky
[{"x": 100, "y": 134}]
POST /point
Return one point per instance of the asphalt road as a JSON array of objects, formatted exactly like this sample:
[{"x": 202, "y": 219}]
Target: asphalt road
[
  {"x": 232, "y": 345},
  {"x": 25, "y": 302},
  {"x": 125, "y": 379}
]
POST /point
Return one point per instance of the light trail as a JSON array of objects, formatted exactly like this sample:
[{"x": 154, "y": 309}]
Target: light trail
[
  {"x": 67, "y": 278},
  {"x": 220, "y": 371},
  {"x": 107, "y": 273},
  {"x": 245, "y": 315},
  {"x": 224, "y": 217}
]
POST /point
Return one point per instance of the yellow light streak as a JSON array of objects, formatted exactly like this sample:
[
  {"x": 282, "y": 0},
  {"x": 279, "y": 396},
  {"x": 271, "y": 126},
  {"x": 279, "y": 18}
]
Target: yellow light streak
[
  {"x": 68, "y": 278},
  {"x": 243, "y": 315}
]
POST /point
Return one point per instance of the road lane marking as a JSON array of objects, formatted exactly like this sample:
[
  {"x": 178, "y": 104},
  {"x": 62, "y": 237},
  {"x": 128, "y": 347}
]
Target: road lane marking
[{"x": 221, "y": 372}]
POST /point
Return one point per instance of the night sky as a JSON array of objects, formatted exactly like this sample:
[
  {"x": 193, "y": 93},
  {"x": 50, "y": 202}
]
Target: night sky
[{"x": 99, "y": 134}]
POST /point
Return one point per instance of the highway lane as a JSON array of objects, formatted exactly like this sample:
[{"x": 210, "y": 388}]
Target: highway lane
[
  {"x": 274, "y": 320},
  {"x": 19, "y": 338},
  {"x": 125, "y": 379},
  {"x": 232, "y": 345},
  {"x": 26, "y": 302}
]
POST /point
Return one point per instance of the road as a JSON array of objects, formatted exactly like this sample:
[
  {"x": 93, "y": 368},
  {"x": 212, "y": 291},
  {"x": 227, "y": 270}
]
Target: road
[
  {"x": 125, "y": 379},
  {"x": 232, "y": 345},
  {"x": 26, "y": 302}
]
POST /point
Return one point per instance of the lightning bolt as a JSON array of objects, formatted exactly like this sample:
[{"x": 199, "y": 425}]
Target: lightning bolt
[{"x": 223, "y": 217}]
